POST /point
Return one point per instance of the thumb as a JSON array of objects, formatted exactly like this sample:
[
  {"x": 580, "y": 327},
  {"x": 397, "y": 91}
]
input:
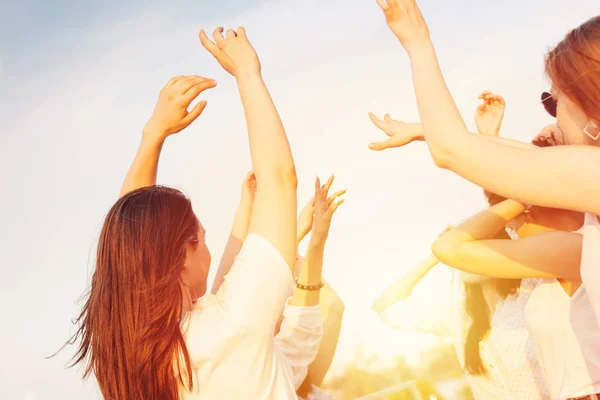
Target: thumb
[
  {"x": 378, "y": 146},
  {"x": 387, "y": 118},
  {"x": 195, "y": 113}
]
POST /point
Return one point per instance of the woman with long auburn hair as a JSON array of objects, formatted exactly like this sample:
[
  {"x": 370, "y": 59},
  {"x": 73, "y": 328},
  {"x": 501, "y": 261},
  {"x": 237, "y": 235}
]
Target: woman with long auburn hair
[{"x": 148, "y": 330}]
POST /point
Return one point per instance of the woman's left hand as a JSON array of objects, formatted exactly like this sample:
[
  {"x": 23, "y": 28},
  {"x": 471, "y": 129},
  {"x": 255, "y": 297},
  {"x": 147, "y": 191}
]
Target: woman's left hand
[
  {"x": 325, "y": 207},
  {"x": 406, "y": 21},
  {"x": 306, "y": 216}
]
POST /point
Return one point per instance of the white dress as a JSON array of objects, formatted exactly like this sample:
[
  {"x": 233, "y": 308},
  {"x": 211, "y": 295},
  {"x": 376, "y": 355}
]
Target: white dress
[
  {"x": 565, "y": 329},
  {"x": 508, "y": 352}
]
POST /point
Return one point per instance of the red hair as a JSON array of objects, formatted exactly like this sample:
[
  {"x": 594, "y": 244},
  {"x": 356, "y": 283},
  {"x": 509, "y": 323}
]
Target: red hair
[
  {"x": 130, "y": 324},
  {"x": 574, "y": 67}
]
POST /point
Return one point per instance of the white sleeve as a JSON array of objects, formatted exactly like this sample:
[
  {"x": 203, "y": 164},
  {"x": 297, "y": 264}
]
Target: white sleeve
[
  {"x": 256, "y": 288},
  {"x": 414, "y": 315},
  {"x": 299, "y": 338},
  {"x": 590, "y": 262}
]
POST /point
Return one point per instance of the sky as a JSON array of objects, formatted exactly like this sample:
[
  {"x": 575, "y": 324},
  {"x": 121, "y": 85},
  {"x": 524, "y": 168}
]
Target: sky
[{"x": 78, "y": 80}]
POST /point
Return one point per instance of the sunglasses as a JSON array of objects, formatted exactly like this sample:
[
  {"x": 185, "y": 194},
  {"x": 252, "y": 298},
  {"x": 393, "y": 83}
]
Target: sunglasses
[{"x": 549, "y": 103}]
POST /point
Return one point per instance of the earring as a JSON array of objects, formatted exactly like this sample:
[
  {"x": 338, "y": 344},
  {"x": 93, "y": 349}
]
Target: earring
[{"x": 592, "y": 130}]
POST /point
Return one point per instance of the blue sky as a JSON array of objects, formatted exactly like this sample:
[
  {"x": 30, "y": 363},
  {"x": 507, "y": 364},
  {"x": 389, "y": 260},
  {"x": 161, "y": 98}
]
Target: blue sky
[{"x": 78, "y": 81}]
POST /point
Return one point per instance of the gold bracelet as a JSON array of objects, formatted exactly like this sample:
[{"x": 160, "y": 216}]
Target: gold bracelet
[{"x": 309, "y": 287}]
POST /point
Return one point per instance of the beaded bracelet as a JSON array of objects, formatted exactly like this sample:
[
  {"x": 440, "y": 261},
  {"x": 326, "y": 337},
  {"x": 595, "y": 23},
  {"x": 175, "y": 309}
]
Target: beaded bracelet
[{"x": 309, "y": 287}]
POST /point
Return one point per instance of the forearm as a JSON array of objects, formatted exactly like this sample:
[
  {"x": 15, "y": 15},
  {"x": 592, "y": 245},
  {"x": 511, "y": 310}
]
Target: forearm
[
  {"x": 441, "y": 120},
  {"x": 486, "y": 224},
  {"x": 144, "y": 168},
  {"x": 310, "y": 274},
  {"x": 404, "y": 286},
  {"x": 301, "y": 233},
  {"x": 269, "y": 148},
  {"x": 234, "y": 244}
]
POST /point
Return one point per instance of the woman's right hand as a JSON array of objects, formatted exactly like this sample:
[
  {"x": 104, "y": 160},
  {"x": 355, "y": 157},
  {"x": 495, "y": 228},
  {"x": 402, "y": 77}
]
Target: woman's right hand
[
  {"x": 171, "y": 113},
  {"x": 406, "y": 22},
  {"x": 400, "y": 133},
  {"x": 489, "y": 114},
  {"x": 234, "y": 51}
]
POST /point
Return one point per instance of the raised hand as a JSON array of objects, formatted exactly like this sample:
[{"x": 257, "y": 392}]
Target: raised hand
[
  {"x": 406, "y": 22},
  {"x": 306, "y": 216},
  {"x": 171, "y": 113},
  {"x": 234, "y": 51},
  {"x": 325, "y": 207},
  {"x": 489, "y": 114},
  {"x": 400, "y": 133},
  {"x": 551, "y": 135}
]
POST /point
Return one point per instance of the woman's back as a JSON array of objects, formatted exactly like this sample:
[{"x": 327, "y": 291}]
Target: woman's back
[{"x": 229, "y": 335}]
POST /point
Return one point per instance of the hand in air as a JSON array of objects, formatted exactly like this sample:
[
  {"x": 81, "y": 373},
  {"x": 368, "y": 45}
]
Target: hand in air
[
  {"x": 248, "y": 190},
  {"x": 234, "y": 51},
  {"x": 306, "y": 216},
  {"x": 551, "y": 135},
  {"x": 325, "y": 207},
  {"x": 406, "y": 22},
  {"x": 489, "y": 114},
  {"x": 400, "y": 133},
  {"x": 171, "y": 114}
]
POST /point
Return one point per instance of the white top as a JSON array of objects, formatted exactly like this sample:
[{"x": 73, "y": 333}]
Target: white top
[
  {"x": 590, "y": 261},
  {"x": 508, "y": 352},
  {"x": 229, "y": 335},
  {"x": 565, "y": 331}
]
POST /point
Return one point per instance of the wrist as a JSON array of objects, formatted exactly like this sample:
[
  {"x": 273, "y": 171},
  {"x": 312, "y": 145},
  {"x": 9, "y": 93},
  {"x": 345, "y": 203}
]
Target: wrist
[
  {"x": 248, "y": 75},
  {"x": 318, "y": 238},
  {"x": 152, "y": 134},
  {"x": 418, "y": 47}
]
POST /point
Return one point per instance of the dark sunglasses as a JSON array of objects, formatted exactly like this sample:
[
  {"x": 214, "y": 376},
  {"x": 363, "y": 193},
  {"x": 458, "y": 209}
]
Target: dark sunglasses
[{"x": 549, "y": 103}]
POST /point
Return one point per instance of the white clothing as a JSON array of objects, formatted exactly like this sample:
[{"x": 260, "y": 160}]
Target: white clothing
[
  {"x": 229, "y": 335},
  {"x": 565, "y": 329},
  {"x": 590, "y": 261},
  {"x": 316, "y": 394},
  {"x": 508, "y": 352}
]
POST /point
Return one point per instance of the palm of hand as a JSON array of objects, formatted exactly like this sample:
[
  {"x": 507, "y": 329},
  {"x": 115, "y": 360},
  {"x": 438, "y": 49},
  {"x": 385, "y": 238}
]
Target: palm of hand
[
  {"x": 399, "y": 133},
  {"x": 489, "y": 114}
]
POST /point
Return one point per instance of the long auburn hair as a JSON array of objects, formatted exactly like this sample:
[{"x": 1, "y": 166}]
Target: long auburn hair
[
  {"x": 130, "y": 324},
  {"x": 574, "y": 67}
]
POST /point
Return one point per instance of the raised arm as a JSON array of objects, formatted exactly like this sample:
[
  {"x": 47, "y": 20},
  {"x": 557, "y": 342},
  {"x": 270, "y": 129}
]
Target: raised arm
[
  {"x": 470, "y": 247},
  {"x": 561, "y": 177},
  {"x": 241, "y": 221},
  {"x": 170, "y": 116},
  {"x": 312, "y": 267},
  {"x": 274, "y": 211},
  {"x": 332, "y": 308},
  {"x": 403, "y": 287}
]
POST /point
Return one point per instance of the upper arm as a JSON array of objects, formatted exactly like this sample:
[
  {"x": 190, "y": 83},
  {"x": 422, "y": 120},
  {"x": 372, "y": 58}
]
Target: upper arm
[
  {"x": 545, "y": 255},
  {"x": 256, "y": 288},
  {"x": 274, "y": 217},
  {"x": 565, "y": 177}
]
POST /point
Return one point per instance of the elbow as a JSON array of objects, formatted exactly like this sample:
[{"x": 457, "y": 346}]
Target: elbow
[
  {"x": 444, "y": 251},
  {"x": 278, "y": 178},
  {"x": 441, "y": 156}
]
